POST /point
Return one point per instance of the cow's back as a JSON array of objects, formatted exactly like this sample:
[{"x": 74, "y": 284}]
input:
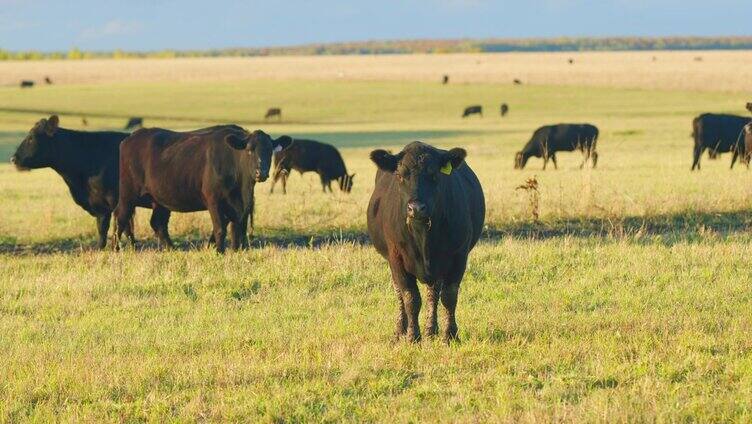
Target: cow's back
[{"x": 718, "y": 131}]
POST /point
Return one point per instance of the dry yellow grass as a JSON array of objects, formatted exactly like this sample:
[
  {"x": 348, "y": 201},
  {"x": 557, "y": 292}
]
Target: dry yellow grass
[{"x": 717, "y": 71}]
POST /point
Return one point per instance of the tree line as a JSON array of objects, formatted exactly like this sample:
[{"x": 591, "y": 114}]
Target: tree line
[{"x": 563, "y": 44}]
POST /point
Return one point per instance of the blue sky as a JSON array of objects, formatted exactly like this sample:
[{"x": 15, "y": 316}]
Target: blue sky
[{"x": 190, "y": 24}]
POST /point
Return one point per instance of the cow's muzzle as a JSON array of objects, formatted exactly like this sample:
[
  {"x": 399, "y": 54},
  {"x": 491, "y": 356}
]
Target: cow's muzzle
[{"x": 418, "y": 212}]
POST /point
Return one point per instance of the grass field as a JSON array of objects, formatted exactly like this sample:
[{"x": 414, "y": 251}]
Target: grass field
[{"x": 629, "y": 301}]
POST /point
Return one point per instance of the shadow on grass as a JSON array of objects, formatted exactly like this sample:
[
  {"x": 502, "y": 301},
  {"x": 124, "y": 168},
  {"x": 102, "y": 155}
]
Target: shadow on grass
[{"x": 666, "y": 229}]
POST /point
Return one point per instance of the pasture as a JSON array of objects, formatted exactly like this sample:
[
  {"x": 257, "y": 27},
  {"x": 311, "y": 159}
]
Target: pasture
[{"x": 627, "y": 300}]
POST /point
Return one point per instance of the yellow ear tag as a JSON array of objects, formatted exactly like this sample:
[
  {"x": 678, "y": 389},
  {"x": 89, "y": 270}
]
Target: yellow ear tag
[{"x": 446, "y": 169}]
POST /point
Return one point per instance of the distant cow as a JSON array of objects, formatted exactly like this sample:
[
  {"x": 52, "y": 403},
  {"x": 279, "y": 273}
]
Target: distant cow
[
  {"x": 425, "y": 215},
  {"x": 309, "y": 155},
  {"x": 549, "y": 139},
  {"x": 571, "y": 61},
  {"x": 719, "y": 133},
  {"x": 749, "y": 107},
  {"x": 275, "y": 111},
  {"x": 87, "y": 161},
  {"x": 27, "y": 84},
  {"x": 517, "y": 81},
  {"x": 48, "y": 80},
  {"x": 504, "y": 109},
  {"x": 212, "y": 169},
  {"x": 134, "y": 123},
  {"x": 445, "y": 80},
  {"x": 471, "y": 110}
]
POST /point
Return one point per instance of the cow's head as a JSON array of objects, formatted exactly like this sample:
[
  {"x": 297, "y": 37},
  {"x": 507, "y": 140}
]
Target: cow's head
[
  {"x": 37, "y": 150},
  {"x": 520, "y": 160},
  {"x": 346, "y": 182},
  {"x": 421, "y": 171},
  {"x": 260, "y": 147}
]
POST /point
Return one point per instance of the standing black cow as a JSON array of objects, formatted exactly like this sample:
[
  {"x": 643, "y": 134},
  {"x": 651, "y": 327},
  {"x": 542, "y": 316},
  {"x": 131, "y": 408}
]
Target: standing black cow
[
  {"x": 549, "y": 139},
  {"x": 27, "y": 84},
  {"x": 445, "y": 80},
  {"x": 274, "y": 111},
  {"x": 425, "y": 215},
  {"x": 504, "y": 109},
  {"x": 309, "y": 155},
  {"x": 719, "y": 133},
  {"x": 471, "y": 110},
  {"x": 214, "y": 169},
  {"x": 87, "y": 161}
]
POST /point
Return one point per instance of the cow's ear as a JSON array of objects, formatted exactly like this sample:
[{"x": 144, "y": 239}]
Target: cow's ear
[
  {"x": 51, "y": 125},
  {"x": 282, "y": 143},
  {"x": 385, "y": 160},
  {"x": 236, "y": 142},
  {"x": 453, "y": 159}
]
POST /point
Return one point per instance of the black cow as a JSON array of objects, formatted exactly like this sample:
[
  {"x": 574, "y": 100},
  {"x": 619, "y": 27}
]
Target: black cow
[
  {"x": 549, "y": 139},
  {"x": 471, "y": 110},
  {"x": 214, "y": 169},
  {"x": 749, "y": 107},
  {"x": 425, "y": 215},
  {"x": 504, "y": 109},
  {"x": 719, "y": 133},
  {"x": 445, "y": 80},
  {"x": 275, "y": 111},
  {"x": 134, "y": 123},
  {"x": 27, "y": 84},
  {"x": 48, "y": 80},
  {"x": 87, "y": 161},
  {"x": 309, "y": 155},
  {"x": 517, "y": 81}
]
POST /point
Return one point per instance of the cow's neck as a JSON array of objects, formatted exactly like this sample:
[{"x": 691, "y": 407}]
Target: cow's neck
[{"x": 74, "y": 164}]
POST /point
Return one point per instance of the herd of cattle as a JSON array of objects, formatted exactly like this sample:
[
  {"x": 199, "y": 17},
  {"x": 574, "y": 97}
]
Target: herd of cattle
[{"x": 425, "y": 214}]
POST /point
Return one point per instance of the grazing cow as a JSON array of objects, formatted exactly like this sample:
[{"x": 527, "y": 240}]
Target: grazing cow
[
  {"x": 48, "y": 80},
  {"x": 308, "y": 155},
  {"x": 549, "y": 139},
  {"x": 470, "y": 110},
  {"x": 27, "y": 84},
  {"x": 134, "y": 123},
  {"x": 87, "y": 161},
  {"x": 719, "y": 133},
  {"x": 425, "y": 215},
  {"x": 504, "y": 109},
  {"x": 445, "y": 80},
  {"x": 214, "y": 169},
  {"x": 517, "y": 82},
  {"x": 274, "y": 111}
]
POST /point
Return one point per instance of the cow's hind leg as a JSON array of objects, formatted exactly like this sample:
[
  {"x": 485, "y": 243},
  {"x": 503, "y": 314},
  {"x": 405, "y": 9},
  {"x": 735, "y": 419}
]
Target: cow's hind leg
[
  {"x": 406, "y": 287},
  {"x": 160, "y": 218},
  {"x": 699, "y": 150},
  {"x": 103, "y": 227},
  {"x": 124, "y": 215}
]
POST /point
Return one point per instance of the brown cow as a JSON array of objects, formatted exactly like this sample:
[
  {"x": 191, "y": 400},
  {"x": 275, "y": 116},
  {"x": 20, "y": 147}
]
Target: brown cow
[{"x": 214, "y": 169}]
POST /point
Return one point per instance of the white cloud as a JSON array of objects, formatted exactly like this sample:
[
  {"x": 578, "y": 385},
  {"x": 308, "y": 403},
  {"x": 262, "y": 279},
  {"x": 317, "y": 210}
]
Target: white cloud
[{"x": 111, "y": 28}]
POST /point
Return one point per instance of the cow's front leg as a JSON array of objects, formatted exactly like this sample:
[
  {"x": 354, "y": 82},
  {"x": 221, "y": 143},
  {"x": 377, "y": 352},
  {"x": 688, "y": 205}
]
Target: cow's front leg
[
  {"x": 103, "y": 227},
  {"x": 449, "y": 294},
  {"x": 432, "y": 296},
  {"x": 408, "y": 297}
]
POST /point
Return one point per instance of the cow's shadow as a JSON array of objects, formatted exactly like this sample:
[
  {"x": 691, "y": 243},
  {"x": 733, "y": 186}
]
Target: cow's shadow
[{"x": 668, "y": 229}]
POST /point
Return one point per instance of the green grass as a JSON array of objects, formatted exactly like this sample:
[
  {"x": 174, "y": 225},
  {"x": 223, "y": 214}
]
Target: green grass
[{"x": 629, "y": 301}]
